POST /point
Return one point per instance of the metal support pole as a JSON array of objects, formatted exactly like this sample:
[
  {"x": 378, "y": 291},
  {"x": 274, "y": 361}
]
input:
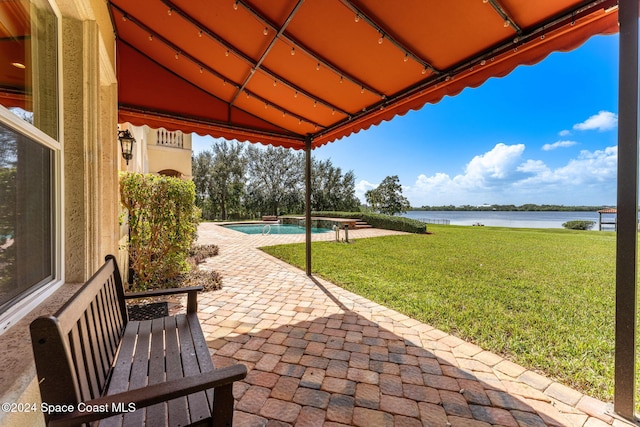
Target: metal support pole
[
  {"x": 307, "y": 202},
  {"x": 627, "y": 217}
]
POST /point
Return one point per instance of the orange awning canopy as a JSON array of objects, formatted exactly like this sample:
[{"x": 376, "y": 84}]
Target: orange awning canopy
[{"x": 277, "y": 71}]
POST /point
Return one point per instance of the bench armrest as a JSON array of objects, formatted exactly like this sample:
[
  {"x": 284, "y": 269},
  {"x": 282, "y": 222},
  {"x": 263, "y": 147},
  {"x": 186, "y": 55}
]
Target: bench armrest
[
  {"x": 192, "y": 295},
  {"x": 150, "y": 395}
]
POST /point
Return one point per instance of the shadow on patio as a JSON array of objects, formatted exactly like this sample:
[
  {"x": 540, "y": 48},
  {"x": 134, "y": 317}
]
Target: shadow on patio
[
  {"x": 320, "y": 355},
  {"x": 346, "y": 369}
]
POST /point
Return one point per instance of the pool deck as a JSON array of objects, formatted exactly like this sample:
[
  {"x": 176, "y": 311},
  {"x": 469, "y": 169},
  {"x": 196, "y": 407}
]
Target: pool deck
[{"x": 319, "y": 355}]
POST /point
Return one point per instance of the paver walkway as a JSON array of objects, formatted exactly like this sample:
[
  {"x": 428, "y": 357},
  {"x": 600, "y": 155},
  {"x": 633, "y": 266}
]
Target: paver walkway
[{"x": 319, "y": 355}]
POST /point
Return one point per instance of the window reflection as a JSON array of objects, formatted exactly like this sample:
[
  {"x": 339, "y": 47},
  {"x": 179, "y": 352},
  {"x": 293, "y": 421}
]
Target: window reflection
[
  {"x": 25, "y": 214},
  {"x": 28, "y": 62}
]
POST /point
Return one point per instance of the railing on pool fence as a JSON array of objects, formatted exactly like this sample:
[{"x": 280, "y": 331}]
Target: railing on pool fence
[{"x": 435, "y": 221}]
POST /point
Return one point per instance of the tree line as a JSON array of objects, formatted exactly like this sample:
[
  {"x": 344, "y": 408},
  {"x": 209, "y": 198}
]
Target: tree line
[{"x": 233, "y": 180}]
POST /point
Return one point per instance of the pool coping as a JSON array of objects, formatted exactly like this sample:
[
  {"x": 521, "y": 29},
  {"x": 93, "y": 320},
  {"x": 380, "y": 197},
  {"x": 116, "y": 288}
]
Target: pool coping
[{"x": 264, "y": 224}]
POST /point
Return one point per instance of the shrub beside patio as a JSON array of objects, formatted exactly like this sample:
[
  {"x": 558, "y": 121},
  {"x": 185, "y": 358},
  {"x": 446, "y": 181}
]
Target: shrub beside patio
[
  {"x": 209, "y": 280},
  {"x": 163, "y": 219},
  {"x": 543, "y": 298}
]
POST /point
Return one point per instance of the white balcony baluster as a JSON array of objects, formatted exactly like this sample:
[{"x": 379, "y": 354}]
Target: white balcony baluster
[{"x": 169, "y": 138}]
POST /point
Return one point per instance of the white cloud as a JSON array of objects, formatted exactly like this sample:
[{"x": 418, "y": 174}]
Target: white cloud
[
  {"x": 558, "y": 144},
  {"x": 589, "y": 167},
  {"x": 440, "y": 182},
  {"x": 604, "y": 120},
  {"x": 484, "y": 174},
  {"x": 501, "y": 175},
  {"x": 533, "y": 167},
  {"x": 564, "y": 132},
  {"x": 496, "y": 163},
  {"x": 362, "y": 187}
]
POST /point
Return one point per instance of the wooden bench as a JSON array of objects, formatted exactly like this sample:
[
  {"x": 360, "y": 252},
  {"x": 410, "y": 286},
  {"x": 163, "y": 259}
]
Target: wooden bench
[{"x": 94, "y": 363}]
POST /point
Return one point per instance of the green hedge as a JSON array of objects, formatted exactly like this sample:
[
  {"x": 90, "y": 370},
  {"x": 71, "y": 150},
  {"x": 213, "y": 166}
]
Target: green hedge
[
  {"x": 579, "y": 225},
  {"x": 163, "y": 220},
  {"x": 397, "y": 223},
  {"x": 335, "y": 214},
  {"x": 387, "y": 222}
]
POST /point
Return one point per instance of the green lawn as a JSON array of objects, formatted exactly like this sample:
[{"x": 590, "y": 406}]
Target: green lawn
[{"x": 543, "y": 298}]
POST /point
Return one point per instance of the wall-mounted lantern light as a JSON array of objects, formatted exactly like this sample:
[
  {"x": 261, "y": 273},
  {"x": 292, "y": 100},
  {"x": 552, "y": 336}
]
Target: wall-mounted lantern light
[{"x": 126, "y": 143}]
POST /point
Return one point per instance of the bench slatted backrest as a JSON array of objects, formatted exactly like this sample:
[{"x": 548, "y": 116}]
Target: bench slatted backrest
[{"x": 82, "y": 337}]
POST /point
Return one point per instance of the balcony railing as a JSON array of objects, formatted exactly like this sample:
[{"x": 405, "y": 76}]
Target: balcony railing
[{"x": 169, "y": 139}]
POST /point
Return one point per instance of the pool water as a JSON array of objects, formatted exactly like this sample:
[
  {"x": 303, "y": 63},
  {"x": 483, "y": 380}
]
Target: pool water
[{"x": 275, "y": 229}]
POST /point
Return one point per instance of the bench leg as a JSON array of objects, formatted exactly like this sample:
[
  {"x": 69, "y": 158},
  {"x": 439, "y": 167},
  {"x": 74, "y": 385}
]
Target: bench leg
[
  {"x": 223, "y": 406},
  {"x": 192, "y": 302}
]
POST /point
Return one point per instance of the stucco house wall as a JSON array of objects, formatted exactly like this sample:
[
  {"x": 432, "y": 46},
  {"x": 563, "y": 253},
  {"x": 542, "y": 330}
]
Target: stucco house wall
[{"x": 86, "y": 181}]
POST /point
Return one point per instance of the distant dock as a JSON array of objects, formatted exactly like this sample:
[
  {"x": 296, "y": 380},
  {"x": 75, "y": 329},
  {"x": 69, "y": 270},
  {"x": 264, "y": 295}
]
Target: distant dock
[{"x": 608, "y": 218}]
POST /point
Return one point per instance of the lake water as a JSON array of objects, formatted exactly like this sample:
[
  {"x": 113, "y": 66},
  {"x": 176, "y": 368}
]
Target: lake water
[{"x": 509, "y": 219}]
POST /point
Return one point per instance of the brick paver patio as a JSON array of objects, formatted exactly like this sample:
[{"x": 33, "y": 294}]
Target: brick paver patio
[{"x": 319, "y": 355}]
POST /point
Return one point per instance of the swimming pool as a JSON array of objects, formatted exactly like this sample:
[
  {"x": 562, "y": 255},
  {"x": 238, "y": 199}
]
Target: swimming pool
[{"x": 273, "y": 229}]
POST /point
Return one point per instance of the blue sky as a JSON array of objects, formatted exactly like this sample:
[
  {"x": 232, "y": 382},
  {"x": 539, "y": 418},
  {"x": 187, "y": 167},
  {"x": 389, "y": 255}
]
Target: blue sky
[{"x": 545, "y": 133}]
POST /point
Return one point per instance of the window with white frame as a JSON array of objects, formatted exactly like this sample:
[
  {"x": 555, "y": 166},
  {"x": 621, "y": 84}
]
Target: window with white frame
[{"x": 29, "y": 148}]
